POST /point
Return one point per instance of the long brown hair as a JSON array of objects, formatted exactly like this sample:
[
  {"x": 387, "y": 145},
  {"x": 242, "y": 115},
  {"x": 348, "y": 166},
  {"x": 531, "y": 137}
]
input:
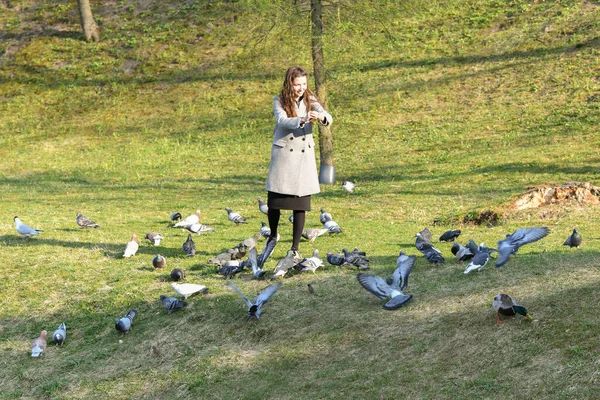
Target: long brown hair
[{"x": 286, "y": 97}]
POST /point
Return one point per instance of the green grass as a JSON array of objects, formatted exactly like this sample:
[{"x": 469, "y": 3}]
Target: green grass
[{"x": 440, "y": 110}]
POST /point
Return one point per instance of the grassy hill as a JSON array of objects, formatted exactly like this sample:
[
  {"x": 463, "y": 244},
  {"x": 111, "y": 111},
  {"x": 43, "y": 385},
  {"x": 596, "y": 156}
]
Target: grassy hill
[{"x": 441, "y": 109}]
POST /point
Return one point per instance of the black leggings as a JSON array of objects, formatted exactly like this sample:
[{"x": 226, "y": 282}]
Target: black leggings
[{"x": 299, "y": 220}]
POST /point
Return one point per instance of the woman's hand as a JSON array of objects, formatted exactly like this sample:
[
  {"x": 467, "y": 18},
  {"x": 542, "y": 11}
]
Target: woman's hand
[{"x": 312, "y": 115}]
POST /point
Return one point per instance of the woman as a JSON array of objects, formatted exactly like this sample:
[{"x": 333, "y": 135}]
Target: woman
[{"x": 293, "y": 174}]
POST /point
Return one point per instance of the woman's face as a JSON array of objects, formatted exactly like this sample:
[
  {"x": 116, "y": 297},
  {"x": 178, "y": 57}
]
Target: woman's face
[{"x": 299, "y": 86}]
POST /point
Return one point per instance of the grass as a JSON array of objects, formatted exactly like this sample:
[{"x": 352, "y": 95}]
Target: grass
[{"x": 440, "y": 110}]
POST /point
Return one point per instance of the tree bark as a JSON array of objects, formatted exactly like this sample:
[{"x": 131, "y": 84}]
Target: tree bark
[
  {"x": 90, "y": 29},
  {"x": 325, "y": 135}
]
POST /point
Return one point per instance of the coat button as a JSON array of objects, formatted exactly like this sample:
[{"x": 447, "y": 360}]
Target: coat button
[
  {"x": 303, "y": 150},
  {"x": 303, "y": 138},
  {"x": 292, "y": 138},
  {"x": 291, "y": 149}
]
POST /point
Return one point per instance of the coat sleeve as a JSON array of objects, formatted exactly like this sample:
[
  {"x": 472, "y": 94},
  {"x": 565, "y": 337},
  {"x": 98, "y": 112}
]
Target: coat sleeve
[
  {"x": 315, "y": 106},
  {"x": 282, "y": 118}
]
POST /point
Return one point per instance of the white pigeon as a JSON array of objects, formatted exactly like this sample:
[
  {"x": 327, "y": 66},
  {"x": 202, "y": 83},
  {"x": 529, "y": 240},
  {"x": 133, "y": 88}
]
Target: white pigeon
[
  {"x": 348, "y": 186},
  {"x": 154, "y": 237},
  {"x": 189, "y": 220},
  {"x": 24, "y": 230},
  {"x": 199, "y": 228},
  {"x": 311, "y": 263},
  {"x": 132, "y": 247},
  {"x": 187, "y": 289},
  {"x": 313, "y": 233}
]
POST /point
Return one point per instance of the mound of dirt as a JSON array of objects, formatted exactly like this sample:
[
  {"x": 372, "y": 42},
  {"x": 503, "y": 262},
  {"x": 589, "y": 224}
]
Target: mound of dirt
[{"x": 581, "y": 192}]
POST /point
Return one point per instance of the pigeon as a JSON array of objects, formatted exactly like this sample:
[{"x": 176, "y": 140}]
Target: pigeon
[
  {"x": 154, "y": 237},
  {"x": 176, "y": 216},
  {"x": 171, "y": 304},
  {"x": 284, "y": 265},
  {"x": 266, "y": 252},
  {"x": 188, "y": 289},
  {"x": 472, "y": 246},
  {"x": 356, "y": 259},
  {"x": 255, "y": 307},
  {"x": 332, "y": 226},
  {"x": 177, "y": 274},
  {"x": 504, "y": 304},
  {"x": 159, "y": 261},
  {"x": 462, "y": 253},
  {"x": 313, "y": 233},
  {"x": 336, "y": 259},
  {"x": 450, "y": 235},
  {"x": 574, "y": 240},
  {"x": 512, "y": 242},
  {"x": 265, "y": 231},
  {"x": 24, "y": 230},
  {"x": 189, "y": 246},
  {"x": 479, "y": 260},
  {"x": 231, "y": 269},
  {"x": 38, "y": 346},
  {"x": 84, "y": 222},
  {"x": 251, "y": 242},
  {"x": 291, "y": 218},
  {"x": 237, "y": 252},
  {"x": 348, "y": 186},
  {"x": 257, "y": 272},
  {"x": 433, "y": 255},
  {"x": 199, "y": 228},
  {"x": 310, "y": 264},
  {"x": 383, "y": 290},
  {"x": 124, "y": 324},
  {"x": 263, "y": 207},
  {"x": 132, "y": 247},
  {"x": 425, "y": 234},
  {"x": 325, "y": 216},
  {"x": 235, "y": 217},
  {"x": 189, "y": 220},
  {"x": 311, "y": 290},
  {"x": 221, "y": 258},
  {"x": 60, "y": 334}
]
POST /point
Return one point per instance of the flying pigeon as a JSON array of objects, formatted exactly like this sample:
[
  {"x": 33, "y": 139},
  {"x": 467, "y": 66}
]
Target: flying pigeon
[
  {"x": 189, "y": 220},
  {"x": 266, "y": 252},
  {"x": 255, "y": 308},
  {"x": 450, "y": 235},
  {"x": 124, "y": 324},
  {"x": 313, "y": 233},
  {"x": 462, "y": 253},
  {"x": 38, "y": 346},
  {"x": 231, "y": 269},
  {"x": 188, "y": 289},
  {"x": 336, "y": 259},
  {"x": 310, "y": 264},
  {"x": 284, "y": 265},
  {"x": 512, "y": 242},
  {"x": 574, "y": 240},
  {"x": 504, "y": 304},
  {"x": 263, "y": 207},
  {"x": 24, "y": 230},
  {"x": 85, "y": 222},
  {"x": 159, "y": 261},
  {"x": 189, "y": 246},
  {"x": 325, "y": 216},
  {"x": 132, "y": 247},
  {"x": 171, "y": 304},
  {"x": 479, "y": 260},
  {"x": 332, "y": 226},
  {"x": 383, "y": 290},
  {"x": 177, "y": 274},
  {"x": 199, "y": 228},
  {"x": 154, "y": 237},
  {"x": 257, "y": 271},
  {"x": 176, "y": 216},
  {"x": 356, "y": 259},
  {"x": 348, "y": 186},
  {"x": 235, "y": 217},
  {"x": 60, "y": 334}
]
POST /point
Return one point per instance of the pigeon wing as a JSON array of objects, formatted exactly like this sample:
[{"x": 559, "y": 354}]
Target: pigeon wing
[
  {"x": 247, "y": 300},
  {"x": 528, "y": 235},
  {"x": 266, "y": 294},
  {"x": 403, "y": 270},
  {"x": 375, "y": 285},
  {"x": 397, "y": 302}
]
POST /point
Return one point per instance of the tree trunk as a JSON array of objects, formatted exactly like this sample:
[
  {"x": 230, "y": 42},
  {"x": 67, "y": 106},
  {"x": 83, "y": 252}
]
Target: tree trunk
[
  {"x": 325, "y": 136},
  {"x": 90, "y": 29}
]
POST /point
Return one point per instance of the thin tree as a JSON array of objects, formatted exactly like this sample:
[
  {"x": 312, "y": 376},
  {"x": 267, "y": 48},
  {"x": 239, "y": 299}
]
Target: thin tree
[{"x": 90, "y": 29}]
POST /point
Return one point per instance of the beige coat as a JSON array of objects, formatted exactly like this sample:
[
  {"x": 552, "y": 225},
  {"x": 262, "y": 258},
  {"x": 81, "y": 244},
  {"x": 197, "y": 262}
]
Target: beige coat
[{"x": 293, "y": 168}]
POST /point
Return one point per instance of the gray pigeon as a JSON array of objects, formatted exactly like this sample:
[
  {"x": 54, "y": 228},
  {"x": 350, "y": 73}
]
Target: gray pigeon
[
  {"x": 356, "y": 259},
  {"x": 309, "y": 264},
  {"x": 159, "y": 261},
  {"x": 231, "y": 269},
  {"x": 154, "y": 238},
  {"x": 335, "y": 259},
  {"x": 199, "y": 228},
  {"x": 284, "y": 265},
  {"x": 480, "y": 259},
  {"x": 251, "y": 242},
  {"x": 124, "y": 324},
  {"x": 171, "y": 304},
  {"x": 24, "y": 230},
  {"x": 220, "y": 259},
  {"x": 332, "y": 226},
  {"x": 235, "y": 217},
  {"x": 472, "y": 246},
  {"x": 574, "y": 240},
  {"x": 263, "y": 207},
  {"x": 462, "y": 253},
  {"x": 189, "y": 246},
  {"x": 265, "y": 231},
  {"x": 324, "y": 216},
  {"x": 450, "y": 235},
  {"x": 255, "y": 307},
  {"x": 426, "y": 235},
  {"x": 60, "y": 334},
  {"x": 313, "y": 233},
  {"x": 383, "y": 290},
  {"x": 84, "y": 222},
  {"x": 176, "y": 216},
  {"x": 177, "y": 274},
  {"x": 291, "y": 218},
  {"x": 512, "y": 242}
]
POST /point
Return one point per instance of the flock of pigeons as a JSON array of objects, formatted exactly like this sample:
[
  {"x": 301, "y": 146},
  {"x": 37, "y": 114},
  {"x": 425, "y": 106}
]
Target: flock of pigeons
[{"x": 230, "y": 263}]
